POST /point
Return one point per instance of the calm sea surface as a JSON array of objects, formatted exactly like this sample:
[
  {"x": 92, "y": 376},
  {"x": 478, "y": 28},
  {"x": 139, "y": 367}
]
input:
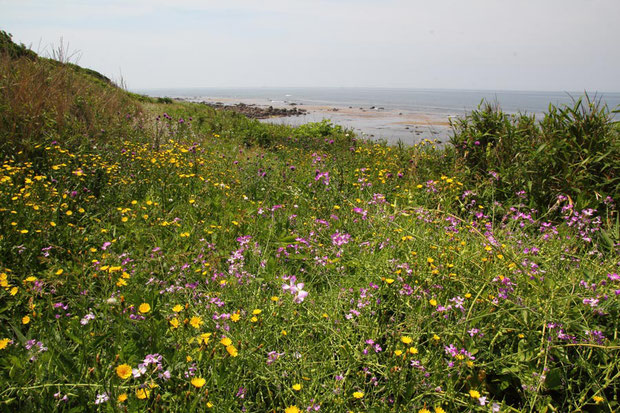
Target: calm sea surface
[{"x": 436, "y": 105}]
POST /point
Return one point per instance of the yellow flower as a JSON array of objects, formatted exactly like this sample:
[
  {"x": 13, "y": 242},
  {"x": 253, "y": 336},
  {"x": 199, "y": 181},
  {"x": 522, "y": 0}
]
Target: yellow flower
[
  {"x": 235, "y": 317},
  {"x": 232, "y": 350},
  {"x": 204, "y": 338},
  {"x": 174, "y": 323},
  {"x": 292, "y": 409},
  {"x": 398, "y": 352},
  {"x": 433, "y": 302},
  {"x": 254, "y": 319},
  {"x": 178, "y": 308},
  {"x": 14, "y": 290},
  {"x": 474, "y": 394},
  {"x": 597, "y": 399},
  {"x": 439, "y": 410},
  {"x": 226, "y": 341},
  {"x": 26, "y": 320},
  {"x": 257, "y": 311},
  {"x": 275, "y": 298},
  {"x": 142, "y": 393},
  {"x": 406, "y": 340},
  {"x": 413, "y": 350},
  {"x": 124, "y": 371},
  {"x": 144, "y": 308},
  {"x": 59, "y": 272},
  {"x": 122, "y": 397},
  {"x": 358, "y": 394},
  {"x": 424, "y": 411},
  {"x": 3, "y": 343},
  {"x": 195, "y": 322},
  {"x": 198, "y": 382},
  {"x": 296, "y": 386}
]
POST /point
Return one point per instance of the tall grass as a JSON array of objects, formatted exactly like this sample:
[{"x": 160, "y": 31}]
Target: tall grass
[{"x": 43, "y": 98}]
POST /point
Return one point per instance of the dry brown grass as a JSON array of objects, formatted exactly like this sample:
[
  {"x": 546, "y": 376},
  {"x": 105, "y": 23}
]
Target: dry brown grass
[{"x": 42, "y": 99}]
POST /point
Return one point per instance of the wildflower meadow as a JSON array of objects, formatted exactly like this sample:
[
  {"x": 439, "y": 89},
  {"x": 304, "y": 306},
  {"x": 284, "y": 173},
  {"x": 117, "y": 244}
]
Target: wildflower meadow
[{"x": 180, "y": 258}]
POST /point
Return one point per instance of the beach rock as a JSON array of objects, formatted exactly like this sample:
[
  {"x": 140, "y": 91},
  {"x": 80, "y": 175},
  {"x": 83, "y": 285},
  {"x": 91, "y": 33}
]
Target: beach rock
[{"x": 256, "y": 112}]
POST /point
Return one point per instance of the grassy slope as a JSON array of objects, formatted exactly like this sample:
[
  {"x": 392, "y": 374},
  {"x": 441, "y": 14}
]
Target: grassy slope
[{"x": 422, "y": 293}]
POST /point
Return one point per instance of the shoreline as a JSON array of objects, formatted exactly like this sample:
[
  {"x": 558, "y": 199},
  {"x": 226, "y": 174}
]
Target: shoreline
[{"x": 370, "y": 122}]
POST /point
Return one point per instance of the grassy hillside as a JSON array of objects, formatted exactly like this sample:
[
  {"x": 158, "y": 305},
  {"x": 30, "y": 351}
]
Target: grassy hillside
[{"x": 171, "y": 257}]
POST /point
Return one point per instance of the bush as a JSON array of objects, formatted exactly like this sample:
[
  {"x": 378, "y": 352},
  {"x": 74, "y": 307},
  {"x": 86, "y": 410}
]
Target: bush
[{"x": 574, "y": 151}]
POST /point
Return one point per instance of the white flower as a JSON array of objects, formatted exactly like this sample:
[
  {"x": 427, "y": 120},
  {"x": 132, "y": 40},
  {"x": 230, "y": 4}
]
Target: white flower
[
  {"x": 102, "y": 398},
  {"x": 139, "y": 371},
  {"x": 87, "y": 318}
]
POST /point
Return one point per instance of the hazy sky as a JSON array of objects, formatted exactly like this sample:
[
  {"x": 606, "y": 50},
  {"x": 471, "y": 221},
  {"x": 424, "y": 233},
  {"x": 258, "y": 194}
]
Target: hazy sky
[{"x": 564, "y": 45}]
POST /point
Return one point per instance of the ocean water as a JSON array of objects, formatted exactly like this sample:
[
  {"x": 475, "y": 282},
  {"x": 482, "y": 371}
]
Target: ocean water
[{"x": 408, "y": 115}]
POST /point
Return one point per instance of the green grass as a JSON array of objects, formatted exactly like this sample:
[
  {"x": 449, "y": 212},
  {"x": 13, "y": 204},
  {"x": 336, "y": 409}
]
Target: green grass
[{"x": 429, "y": 286}]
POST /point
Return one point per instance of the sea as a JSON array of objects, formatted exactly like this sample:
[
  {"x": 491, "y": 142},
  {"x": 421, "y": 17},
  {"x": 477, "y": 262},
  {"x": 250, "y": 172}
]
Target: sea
[{"x": 390, "y": 114}]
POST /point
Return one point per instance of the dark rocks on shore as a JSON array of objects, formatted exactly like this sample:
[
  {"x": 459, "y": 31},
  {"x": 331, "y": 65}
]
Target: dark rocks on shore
[{"x": 256, "y": 112}]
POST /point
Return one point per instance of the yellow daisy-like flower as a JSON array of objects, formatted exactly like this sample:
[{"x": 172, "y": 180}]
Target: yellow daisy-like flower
[
  {"x": 398, "y": 352},
  {"x": 257, "y": 311},
  {"x": 232, "y": 350},
  {"x": 235, "y": 317},
  {"x": 122, "y": 397},
  {"x": 174, "y": 323},
  {"x": 144, "y": 308},
  {"x": 358, "y": 394},
  {"x": 178, "y": 308},
  {"x": 292, "y": 409},
  {"x": 296, "y": 386},
  {"x": 198, "y": 382},
  {"x": 204, "y": 338},
  {"x": 195, "y": 322},
  {"x": 474, "y": 394},
  {"x": 142, "y": 394},
  {"x": 14, "y": 291},
  {"x": 432, "y": 302},
  {"x": 424, "y": 411},
  {"x": 406, "y": 340},
  {"x": 3, "y": 343},
  {"x": 26, "y": 320},
  {"x": 439, "y": 410},
  {"x": 597, "y": 399},
  {"x": 123, "y": 371},
  {"x": 226, "y": 341}
]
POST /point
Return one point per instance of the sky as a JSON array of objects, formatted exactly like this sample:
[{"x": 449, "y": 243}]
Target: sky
[{"x": 549, "y": 45}]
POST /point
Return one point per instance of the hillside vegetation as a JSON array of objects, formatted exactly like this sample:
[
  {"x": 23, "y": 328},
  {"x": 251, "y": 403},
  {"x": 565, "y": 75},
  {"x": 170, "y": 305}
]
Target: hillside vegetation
[{"x": 159, "y": 256}]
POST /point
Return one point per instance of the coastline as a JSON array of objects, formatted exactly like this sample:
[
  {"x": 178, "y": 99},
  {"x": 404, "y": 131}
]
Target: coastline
[{"x": 372, "y": 122}]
